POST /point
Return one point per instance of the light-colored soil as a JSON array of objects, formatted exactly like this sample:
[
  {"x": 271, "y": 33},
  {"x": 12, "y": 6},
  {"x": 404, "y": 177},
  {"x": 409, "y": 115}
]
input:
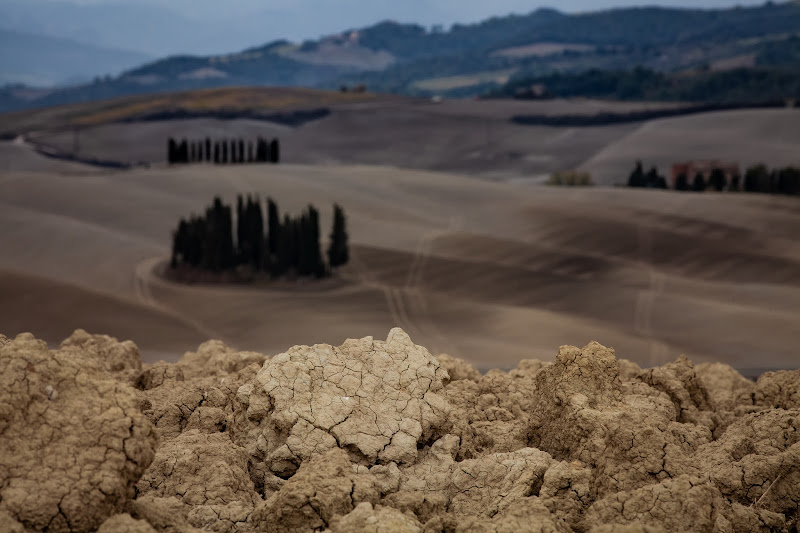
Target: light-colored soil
[
  {"x": 769, "y": 136},
  {"x": 475, "y": 138},
  {"x": 381, "y": 436},
  {"x": 491, "y": 272}
]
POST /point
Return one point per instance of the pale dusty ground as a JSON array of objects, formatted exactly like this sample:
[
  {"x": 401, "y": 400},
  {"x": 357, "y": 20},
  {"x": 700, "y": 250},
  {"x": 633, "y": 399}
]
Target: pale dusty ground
[
  {"x": 748, "y": 137},
  {"x": 477, "y": 138},
  {"x": 491, "y": 272}
]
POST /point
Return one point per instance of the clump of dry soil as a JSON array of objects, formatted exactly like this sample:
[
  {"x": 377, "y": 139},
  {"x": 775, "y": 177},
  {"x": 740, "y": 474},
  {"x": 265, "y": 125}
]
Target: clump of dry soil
[{"x": 376, "y": 436}]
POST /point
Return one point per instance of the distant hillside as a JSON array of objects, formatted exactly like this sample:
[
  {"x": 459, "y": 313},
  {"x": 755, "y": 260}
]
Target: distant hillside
[
  {"x": 275, "y": 104},
  {"x": 44, "y": 61},
  {"x": 756, "y": 85},
  {"x": 473, "y": 59}
]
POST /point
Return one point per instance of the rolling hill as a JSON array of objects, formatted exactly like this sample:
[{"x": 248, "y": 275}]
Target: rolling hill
[{"x": 470, "y": 59}]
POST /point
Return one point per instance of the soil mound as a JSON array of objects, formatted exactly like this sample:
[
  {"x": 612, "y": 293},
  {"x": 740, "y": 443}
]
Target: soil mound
[{"x": 382, "y": 436}]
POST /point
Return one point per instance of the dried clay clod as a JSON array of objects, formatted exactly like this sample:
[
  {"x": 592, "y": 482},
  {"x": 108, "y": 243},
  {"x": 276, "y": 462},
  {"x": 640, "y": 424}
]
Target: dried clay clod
[{"x": 381, "y": 436}]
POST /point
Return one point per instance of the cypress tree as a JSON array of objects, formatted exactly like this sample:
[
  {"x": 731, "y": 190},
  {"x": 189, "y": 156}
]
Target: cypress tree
[
  {"x": 250, "y": 156},
  {"x": 260, "y": 150},
  {"x": 275, "y": 151},
  {"x": 216, "y": 153},
  {"x": 228, "y": 250},
  {"x": 220, "y": 253},
  {"x": 183, "y": 152},
  {"x": 637, "y": 178},
  {"x": 224, "y": 152},
  {"x": 172, "y": 150},
  {"x": 682, "y": 182},
  {"x": 338, "y": 253},
  {"x": 318, "y": 263},
  {"x": 179, "y": 244},
  {"x": 256, "y": 233},
  {"x": 208, "y": 149},
  {"x": 717, "y": 179},
  {"x": 285, "y": 257},
  {"x": 756, "y": 178},
  {"x": 241, "y": 231},
  {"x": 699, "y": 183},
  {"x": 241, "y": 151},
  {"x": 294, "y": 240},
  {"x": 273, "y": 226},
  {"x": 651, "y": 179},
  {"x": 303, "y": 244}
]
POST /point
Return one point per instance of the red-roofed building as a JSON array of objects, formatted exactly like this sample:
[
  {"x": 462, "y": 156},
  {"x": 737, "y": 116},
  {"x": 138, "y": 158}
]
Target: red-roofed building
[{"x": 693, "y": 168}]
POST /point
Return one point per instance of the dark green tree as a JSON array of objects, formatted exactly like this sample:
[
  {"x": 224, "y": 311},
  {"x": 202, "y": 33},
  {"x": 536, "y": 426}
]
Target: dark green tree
[
  {"x": 262, "y": 150},
  {"x": 338, "y": 253},
  {"x": 219, "y": 251},
  {"x": 172, "y": 151},
  {"x": 241, "y": 231},
  {"x": 208, "y": 150},
  {"x": 316, "y": 265},
  {"x": 216, "y": 154},
  {"x": 273, "y": 226},
  {"x": 256, "y": 233},
  {"x": 756, "y": 179},
  {"x": 717, "y": 179},
  {"x": 275, "y": 151},
  {"x": 699, "y": 183},
  {"x": 637, "y": 177},
  {"x": 682, "y": 182},
  {"x": 179, "y": 243},
  {"x": 183, "y": 152},
  {"x": 250, "y": 153},
  {"x": 788, "y": 181}
]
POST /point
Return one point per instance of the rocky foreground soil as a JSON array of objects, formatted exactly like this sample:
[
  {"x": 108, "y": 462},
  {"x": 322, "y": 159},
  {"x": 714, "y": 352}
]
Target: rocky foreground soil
[{"x": 376, "y": 436}]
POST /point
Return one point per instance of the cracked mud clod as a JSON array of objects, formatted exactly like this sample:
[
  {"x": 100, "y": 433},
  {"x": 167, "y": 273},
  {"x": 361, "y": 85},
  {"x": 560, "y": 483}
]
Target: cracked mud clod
[{"x": 383, "y": 437}]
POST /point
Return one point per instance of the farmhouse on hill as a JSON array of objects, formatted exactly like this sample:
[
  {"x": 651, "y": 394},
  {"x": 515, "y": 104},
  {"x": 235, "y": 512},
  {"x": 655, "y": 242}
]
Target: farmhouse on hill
[{"x": 691, "y": 169}]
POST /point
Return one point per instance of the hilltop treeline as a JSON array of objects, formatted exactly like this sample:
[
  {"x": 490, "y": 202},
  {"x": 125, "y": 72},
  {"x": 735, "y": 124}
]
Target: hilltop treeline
[
  {"x": 278, "y": 247},
  {"x": 758, "y": 178},
  {"x": 222, "y": 152},
  {"x": 761, "y": 85}
]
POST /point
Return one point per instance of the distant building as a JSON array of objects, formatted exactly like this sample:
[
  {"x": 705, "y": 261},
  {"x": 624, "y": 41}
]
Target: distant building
[
  {"x": 692, "y": 168},
  {"x": 537, "y": 91}
]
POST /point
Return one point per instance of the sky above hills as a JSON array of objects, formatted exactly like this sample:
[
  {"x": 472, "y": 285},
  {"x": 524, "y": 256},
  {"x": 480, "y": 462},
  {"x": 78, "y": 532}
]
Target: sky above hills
[{"x": 163, "y": 27}]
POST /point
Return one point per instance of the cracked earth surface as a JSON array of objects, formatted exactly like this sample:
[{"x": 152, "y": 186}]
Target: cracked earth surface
[{"x": 381, "y": 436}]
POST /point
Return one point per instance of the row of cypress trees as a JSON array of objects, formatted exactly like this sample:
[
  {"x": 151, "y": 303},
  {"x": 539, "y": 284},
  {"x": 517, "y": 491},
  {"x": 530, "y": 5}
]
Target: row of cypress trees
[
  {"x": 757, "y": 179},
  {"x": 776, "y": 181},
  {"x": 222, "y": 152},
  {"x": 288, "y": 247},
  {"x": 649, "y": 179},
  {"x": 716, "y": 181}
]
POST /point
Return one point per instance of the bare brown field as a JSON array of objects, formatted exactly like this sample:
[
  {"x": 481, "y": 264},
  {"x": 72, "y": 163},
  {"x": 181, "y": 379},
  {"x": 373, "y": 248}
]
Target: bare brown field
[
  {"x": 491, "y": 272},
  {"x": 748, "y": 137},
  {"x": 475, "y": 138}
]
